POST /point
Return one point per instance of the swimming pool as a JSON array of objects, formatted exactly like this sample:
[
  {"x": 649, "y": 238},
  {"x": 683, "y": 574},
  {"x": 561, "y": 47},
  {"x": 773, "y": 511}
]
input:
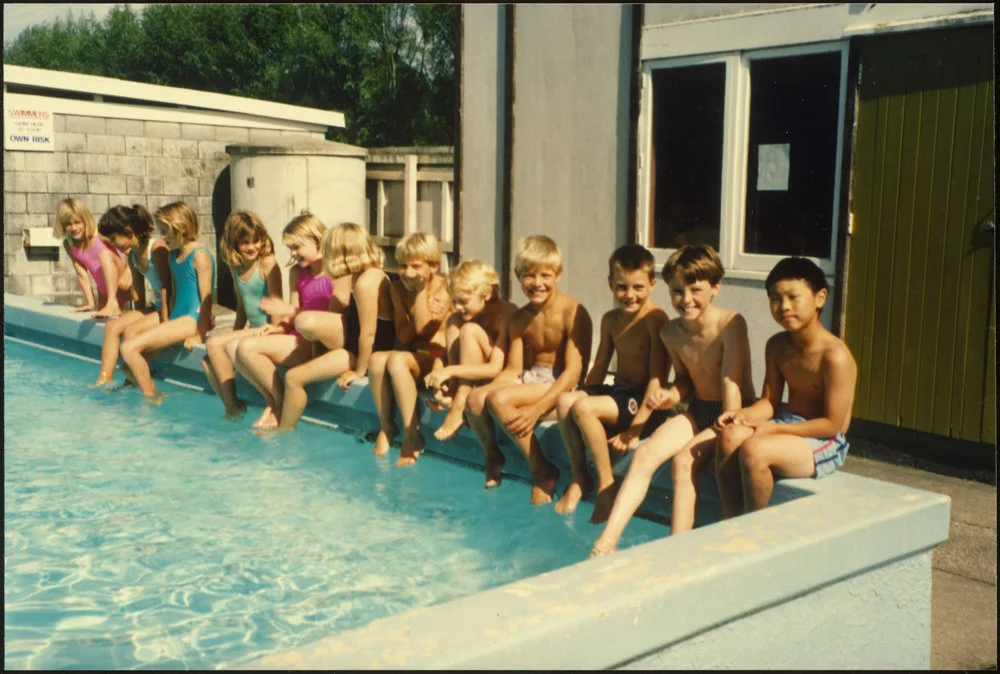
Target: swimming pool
[{"x": 153, "y": 538}]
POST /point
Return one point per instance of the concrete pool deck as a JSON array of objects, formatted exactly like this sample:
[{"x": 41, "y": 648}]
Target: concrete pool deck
[{"x": 837, "y": 574}]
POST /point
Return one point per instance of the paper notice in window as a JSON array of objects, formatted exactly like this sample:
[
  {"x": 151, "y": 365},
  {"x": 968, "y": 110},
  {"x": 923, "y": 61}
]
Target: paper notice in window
[{"x": 772, "y": 167}]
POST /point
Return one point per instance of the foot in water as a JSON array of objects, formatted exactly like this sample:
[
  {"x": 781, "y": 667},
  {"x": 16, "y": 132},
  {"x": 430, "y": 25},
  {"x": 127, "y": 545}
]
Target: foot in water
[
  {"x": 603, "y": 502},
  {"x": 571, "y": 498},
  {"x": 494, "y": 471},
  {"x": 103, "y": 380},
  {"x": 237, "y": 411},
  {"x": 449, "y": 427},
  {"x": 156, "y": 398},
  {"x": 600, "y": 550},
  {"x": 410, "y": 451},
  {"x": 383, "y": 440},
  {"x": 543, "y": 485},
  {"x": 268, "y": 419}
]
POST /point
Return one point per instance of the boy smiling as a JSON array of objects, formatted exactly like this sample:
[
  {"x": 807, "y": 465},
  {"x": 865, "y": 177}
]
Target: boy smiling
[{"x": 806, "y": 439}]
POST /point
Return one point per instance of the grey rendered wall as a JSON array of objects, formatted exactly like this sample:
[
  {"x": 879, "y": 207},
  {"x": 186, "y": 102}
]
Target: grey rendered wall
[
  {"x": 105, "y": 162},
  {"x": 482, "y": 91},
  {"x": 570, "y": 169},
  {"x": 669, "y": 12}
]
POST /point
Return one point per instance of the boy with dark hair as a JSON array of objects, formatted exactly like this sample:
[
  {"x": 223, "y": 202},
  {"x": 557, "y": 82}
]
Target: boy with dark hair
[
  {"x": 710, "y": 354},
  {"x": 806, "y": 439},
  {"x": 588, "y": 416}
]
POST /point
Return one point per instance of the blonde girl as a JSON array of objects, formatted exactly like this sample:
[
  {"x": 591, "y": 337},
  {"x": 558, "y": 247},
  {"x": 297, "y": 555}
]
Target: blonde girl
[
  {"x": 248, "y": 250},
  {"x": 476, "y": 335},
  {"x": 75, "y": 225},
  {"x": 192, "y": 269},
  {"x": 348, "y": 252},
  {"x": 311, "y": 289},
  {"x": 130, "y": 229}
]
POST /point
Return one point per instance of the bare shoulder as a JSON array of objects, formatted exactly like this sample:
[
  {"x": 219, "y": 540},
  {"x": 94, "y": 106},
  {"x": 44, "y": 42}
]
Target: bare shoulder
[
  {"x": 267, "y": 265},
  {"x": 672, "y": 333},
  {"x": 202, "y": 256},
  {"x": 730, "y": 320},
  {"x": 160, "y": 244},
  {"x": 656, "y": 319},
  {"x": 610, "y": 319},
  {"x": 777, "y": 345},
  {"x": 370, "y": 279},
  {"x": 836, "y": 353},
  {"x": 520, "y": 319}
]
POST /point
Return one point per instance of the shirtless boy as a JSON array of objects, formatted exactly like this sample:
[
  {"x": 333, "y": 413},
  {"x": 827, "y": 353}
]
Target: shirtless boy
[
  {"x": 806, "y": 439},
  {"x": 587, "y": 417},
  {"x": 476, "y": 335},
  {"x": 710, "y": 354},
  {"x": 549, "y": 344},
  {"x": 420, "y": 304}
]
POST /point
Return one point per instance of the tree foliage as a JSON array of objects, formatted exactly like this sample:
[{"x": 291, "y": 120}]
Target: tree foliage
[{"x": 390, "y": 68}]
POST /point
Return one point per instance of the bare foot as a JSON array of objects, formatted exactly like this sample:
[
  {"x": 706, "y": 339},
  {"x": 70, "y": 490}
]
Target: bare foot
[
  {"x": 494, "y": 470},
  {"x": 102, "y": 380},
  {"x": 543, "y": 485},
  {"x": 601, "y": 550},
  {"x": 449, "y": 427},
  {"x": 571, "y": 499},
  {"x": 156, "y": 398},
  {"x": 410, "y": 452},
  {"x": 382, "y": 441},
  {"x": 603, "y": 502},
  {"x": 267, "y": 419},
  {"x": 237, "y": 411}
]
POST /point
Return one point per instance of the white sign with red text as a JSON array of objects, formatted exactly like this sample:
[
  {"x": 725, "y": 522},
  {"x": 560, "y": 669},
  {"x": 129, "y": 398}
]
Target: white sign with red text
[{"x": 28, "y": 129}]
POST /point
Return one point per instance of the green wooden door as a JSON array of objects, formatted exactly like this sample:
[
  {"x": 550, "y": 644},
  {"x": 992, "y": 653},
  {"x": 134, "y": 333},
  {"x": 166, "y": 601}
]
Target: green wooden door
[{"x": 920, "y": 316}]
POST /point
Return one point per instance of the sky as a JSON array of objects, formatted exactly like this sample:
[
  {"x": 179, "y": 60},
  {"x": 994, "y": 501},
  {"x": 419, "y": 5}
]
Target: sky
[{"x": 19, "y": 15}]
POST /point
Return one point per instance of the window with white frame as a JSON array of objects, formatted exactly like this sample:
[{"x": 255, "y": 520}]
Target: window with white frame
[{"x": 742, "y": 151}]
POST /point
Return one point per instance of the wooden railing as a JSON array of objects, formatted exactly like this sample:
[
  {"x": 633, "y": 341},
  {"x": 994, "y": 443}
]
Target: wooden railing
[{"x": 410, "y": 189}]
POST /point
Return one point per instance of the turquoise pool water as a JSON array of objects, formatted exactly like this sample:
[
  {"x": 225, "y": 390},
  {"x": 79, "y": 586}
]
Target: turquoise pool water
[{"x": 138, "y": 537}]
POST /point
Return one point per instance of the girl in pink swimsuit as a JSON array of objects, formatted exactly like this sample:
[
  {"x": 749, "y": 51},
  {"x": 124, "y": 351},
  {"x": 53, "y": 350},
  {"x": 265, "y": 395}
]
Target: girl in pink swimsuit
[
  {"x": 76, "y": 226},
  {"x": 257, "y": 358}
]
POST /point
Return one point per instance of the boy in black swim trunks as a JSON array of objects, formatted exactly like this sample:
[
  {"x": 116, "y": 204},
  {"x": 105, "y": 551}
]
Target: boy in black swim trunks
[
  {"x": 710, "y": 353},
  {"x": 587, "y": 417}
]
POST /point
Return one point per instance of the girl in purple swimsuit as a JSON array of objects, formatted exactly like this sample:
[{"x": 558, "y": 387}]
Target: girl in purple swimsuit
[
  {"x": 75, "y": 225},
  {"x": 311, "y": 289}
]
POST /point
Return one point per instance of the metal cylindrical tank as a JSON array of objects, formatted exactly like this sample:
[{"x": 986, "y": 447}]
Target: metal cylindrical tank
[{"x": 279, "y": 182}]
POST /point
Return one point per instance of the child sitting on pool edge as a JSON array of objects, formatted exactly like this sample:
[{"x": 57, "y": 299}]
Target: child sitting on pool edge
[
  {"x": 248, "y": 250},
  {"x": 556, "y": 331},
  {"x": 476, "y": 335},
  {"x": 420, "y": 304},
  {"x": 806, "y": 438},
  {"x": 586, "y": 418}
]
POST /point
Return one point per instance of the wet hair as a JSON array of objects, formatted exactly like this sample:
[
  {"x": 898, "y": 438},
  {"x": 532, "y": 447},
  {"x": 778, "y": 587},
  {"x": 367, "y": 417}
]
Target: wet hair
[
  {"x": 181, "y": 218},
  {"x": 474, "y": 277},
  {"x": 632, "y": 257},
  {"x": 537, "y": 251},
  {"x": 66, "y": 209},
  {"x": 305, "y": 226},
  {"x": 695, "y": 263},
  {"x": 125, "y": 221},
  {"x": 348, "y": 249},
  {"x": 242, "y": 227},
  {"x": 797, "y": 268},
  {"x": 419, "y": 246}
]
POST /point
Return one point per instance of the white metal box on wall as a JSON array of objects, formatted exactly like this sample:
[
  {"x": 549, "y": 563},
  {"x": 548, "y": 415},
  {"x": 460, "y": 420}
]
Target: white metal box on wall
[{"x": 280, "y": 182}]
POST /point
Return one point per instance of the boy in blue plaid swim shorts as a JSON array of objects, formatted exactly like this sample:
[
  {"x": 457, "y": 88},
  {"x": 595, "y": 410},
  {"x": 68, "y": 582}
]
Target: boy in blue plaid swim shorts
[{"x": 806, "y": 439}]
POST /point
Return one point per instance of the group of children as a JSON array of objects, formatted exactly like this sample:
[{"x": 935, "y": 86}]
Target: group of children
[{"x": 487, "y": 362}]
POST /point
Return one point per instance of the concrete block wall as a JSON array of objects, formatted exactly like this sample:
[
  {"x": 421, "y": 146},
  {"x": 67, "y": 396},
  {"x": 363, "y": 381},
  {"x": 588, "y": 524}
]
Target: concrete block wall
[{"x": 105, "y": 162}]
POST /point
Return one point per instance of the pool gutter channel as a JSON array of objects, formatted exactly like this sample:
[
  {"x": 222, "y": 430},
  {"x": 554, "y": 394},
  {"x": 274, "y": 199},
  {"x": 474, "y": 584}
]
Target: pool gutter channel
[{"x": 846, "y": 553}]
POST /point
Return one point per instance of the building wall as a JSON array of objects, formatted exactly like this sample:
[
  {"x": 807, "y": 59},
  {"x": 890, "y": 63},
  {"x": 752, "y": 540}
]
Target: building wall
[
  {"x": 106, "y": 162},
  {"x": 669, "y": 12},
  {"x": 482, "y": 104},
  {"x": 570, "y": 138}
]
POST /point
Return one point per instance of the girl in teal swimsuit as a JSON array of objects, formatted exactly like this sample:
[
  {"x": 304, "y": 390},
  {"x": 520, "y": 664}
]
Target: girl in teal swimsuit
[
  {"x": 249, "y": 251},
  {"x": 193, "y": 270}
]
